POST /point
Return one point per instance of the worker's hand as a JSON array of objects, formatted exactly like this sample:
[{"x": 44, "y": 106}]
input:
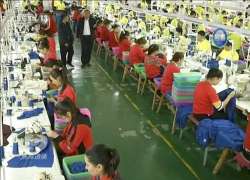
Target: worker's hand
[
  {"x": 52, "y": 99},
  {"x": 52, "y": 134},
  {"x": 66, "y": 44}
]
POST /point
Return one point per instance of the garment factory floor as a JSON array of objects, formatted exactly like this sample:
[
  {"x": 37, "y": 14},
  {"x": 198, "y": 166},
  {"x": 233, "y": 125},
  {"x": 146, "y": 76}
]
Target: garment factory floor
[{"x": 124, "y": 120}]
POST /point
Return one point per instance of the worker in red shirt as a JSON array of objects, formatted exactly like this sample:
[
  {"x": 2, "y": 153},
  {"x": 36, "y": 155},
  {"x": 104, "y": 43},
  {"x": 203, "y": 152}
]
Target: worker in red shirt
[
  {"x": 58, "y": 77},
  {"x": 98, "y": 29},
  {"x": 102, "y": 162},
  {"x": 154, "y": 65},
  {"x": 47, "y": 47},
  {"x": 114, "y": 36},
  {"x": 104, "y": 33},
  {"x": 137, "y": 51},
  {"x": 51, "y": 25},
  {"x": 168, "y": 75},
  {"x": 206, "y": 98},
  {"x": 77, "y": 136},
  {"x": 124, "y": 43}
]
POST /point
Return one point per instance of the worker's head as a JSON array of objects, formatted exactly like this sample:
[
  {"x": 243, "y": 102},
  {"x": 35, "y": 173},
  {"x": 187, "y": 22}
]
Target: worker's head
[
  {"x": 58, "y": 77},
  {"x": 214, "y": 76},
  {"x": 116, "y": 28},
  {"x": 66, "y": 110},
  {"x": 201, "y": 36},
  {"x": 141, "y": 41},
  {"x": 86, "y": 13},
  {"x": 179, "y": 31},
  {"x": 193, "y": 14},
  {"x": 228, "y": 46},
  {"x": 153, "y": 49},
  {"x": 178, "y": 58},
  {"x": 65, "y": 18},
  {"x": 239, "y": 23},
  {"x": 124, "y": 35},
  {"x": 224, "y": 12},
  {"x": 106, "y": 22},
  {"x": 102, "y": 161},
  {"x": 43, "y": 46},
  {"x": 224, "y": 21}
]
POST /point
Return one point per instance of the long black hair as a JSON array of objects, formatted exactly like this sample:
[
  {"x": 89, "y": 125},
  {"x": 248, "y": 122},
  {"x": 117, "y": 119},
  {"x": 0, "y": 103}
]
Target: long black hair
[
  {"x": 123, "y": 35},
  {"x": 107, "y": 157},
  {"x": 62, "y": 75},
  {"x": 65, "y": 106}
]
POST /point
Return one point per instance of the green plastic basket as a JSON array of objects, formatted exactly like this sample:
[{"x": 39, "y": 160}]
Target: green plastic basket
[{"x": 68, "y": 161}]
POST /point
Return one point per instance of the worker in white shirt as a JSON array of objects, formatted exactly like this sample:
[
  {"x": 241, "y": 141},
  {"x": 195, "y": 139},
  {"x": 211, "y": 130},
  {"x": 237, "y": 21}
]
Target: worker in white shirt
[{"x": 85, "y": 31}]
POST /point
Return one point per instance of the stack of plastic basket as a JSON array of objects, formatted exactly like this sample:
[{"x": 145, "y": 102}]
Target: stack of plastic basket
[{"x": 183, "y": 87}]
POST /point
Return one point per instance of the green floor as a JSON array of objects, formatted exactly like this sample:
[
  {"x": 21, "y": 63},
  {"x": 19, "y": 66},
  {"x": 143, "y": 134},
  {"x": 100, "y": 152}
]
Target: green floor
[{"x": 124, "y": 120}]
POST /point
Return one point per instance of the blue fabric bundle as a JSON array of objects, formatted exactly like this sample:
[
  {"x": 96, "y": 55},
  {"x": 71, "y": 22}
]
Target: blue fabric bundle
[
  {"x": 43, "y": 159},
  {"x": 211, "y": 64},
  {"x": 182, "y": 115},
  {"x": 231, "y": 106},
  {"x": 223, "y": 133},
  {"x": 32, "y": 113},
  {"x": 77, "y": 167},
  {"x": 33, "y": 55}
]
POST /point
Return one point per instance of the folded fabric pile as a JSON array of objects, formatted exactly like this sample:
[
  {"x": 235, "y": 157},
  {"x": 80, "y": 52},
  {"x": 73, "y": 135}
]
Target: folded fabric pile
[
  {"x": 29, "y": 114},
  {"x": 222, "y": 133},
  {"x": 182, "y": 115},
  {"x": 183, "y": 87},
  {"x": 43, "y": 159},
  {"x": 77, "y": 167}
]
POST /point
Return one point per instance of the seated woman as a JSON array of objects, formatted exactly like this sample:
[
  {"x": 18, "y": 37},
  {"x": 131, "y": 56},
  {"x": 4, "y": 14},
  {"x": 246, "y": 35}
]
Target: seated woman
[
  {"x": 104, "y": 31},
  {"x": 47, "y": 48},
  {"x": 98, "y": 29},
  {"x": 154, "y": 65},
  {"x": 203, "y": 45},
  {"x": 77, "y": 135},
  {"x": 51, "y": 24},
  {"x": 102, "y": 163},
  {"x": 206, "y": 98},
  {"x": 136, "y": 54},
  {"x": 228, "y": 53},
  {"x": 124, "y": 43},
  {"x": 114, "y": 36},
  {"x": 58, "y": 77},
  {"x": 168, "y": 75}
]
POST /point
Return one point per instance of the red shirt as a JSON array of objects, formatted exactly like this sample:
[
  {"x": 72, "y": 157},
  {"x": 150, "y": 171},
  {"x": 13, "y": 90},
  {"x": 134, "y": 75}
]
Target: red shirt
[
  {"x": 152, "y": 66},
  {"x": 52, "y": 24},
  {"x": 104, "y": 33},
  {"x": 113, "y": 39},
  {"x": 98, "y": 31},
  {"x": 168, "y": 78},
  {"x": 136, "y": 54},
  {"x": 124, "y": 45},
  {"x": 204, "y": 97},
  {"x": 51, "y": 54},
  {"x": 76, "y": 133},
  {"x": 247, "y": 137},
  {"x": 68, "y": 92}
]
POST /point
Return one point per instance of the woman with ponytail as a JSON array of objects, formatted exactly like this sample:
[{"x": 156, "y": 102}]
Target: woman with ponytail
[
  {"x": 77, "y": 135},
  {"x": 102, "y": 162},
  {"x": 58, "y": 78}
]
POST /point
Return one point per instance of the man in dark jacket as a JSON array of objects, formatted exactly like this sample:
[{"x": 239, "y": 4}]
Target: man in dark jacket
[
  {"x": 85, "y": 31},
  {"x": 66, "y": 40}
]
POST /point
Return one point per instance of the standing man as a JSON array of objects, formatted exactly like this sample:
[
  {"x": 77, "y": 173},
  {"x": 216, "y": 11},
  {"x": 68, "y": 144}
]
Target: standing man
[
  {"x": 66, "y": 40},
  {"x": 85, "y": 31}
]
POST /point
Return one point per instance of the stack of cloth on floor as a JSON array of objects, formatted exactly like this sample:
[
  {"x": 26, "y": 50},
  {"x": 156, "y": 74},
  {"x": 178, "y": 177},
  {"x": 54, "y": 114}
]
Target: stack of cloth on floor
[{"x": 183, "y": 87}]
